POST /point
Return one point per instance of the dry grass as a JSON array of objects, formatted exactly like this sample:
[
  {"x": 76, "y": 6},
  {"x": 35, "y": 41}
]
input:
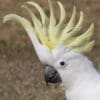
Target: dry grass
[{"x": 21, "y": 74}]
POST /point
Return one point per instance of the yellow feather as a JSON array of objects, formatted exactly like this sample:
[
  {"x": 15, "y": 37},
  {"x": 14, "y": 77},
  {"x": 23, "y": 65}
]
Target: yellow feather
[{"x": 52, "y": 34}]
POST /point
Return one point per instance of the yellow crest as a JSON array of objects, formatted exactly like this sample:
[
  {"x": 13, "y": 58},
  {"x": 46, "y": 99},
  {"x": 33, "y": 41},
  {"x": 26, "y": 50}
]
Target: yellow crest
[{"x": 50, "y": 33}]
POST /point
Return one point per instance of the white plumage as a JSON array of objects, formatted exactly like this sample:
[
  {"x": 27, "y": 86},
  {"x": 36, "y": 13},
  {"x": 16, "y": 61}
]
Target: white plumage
[{"x": 80, "y": 79}]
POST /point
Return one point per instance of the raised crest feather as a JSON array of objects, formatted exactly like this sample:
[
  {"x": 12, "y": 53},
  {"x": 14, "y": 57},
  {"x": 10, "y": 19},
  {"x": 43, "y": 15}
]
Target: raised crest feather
[{"x": 52, "y": 34}]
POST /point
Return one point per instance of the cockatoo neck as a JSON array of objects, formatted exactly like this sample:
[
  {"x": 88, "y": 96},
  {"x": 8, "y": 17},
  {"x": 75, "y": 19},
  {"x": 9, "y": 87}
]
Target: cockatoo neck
[{"x": 81, "y": 74}]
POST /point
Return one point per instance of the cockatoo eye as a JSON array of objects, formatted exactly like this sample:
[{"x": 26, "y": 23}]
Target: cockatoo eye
[{"x": 62, "y": 63}]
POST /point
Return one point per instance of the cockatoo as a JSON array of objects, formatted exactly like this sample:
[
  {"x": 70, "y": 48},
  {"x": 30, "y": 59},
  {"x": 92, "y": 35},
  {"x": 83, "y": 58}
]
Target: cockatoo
[{"x": 60, "y": 48}]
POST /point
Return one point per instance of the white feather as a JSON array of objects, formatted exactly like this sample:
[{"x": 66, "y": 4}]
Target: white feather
[{"x": 80, "y": 79}]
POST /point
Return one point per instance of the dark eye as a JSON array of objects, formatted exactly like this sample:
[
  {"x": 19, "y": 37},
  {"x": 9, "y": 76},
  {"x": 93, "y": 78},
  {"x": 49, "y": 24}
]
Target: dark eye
[{"x": 62, "y": 63}]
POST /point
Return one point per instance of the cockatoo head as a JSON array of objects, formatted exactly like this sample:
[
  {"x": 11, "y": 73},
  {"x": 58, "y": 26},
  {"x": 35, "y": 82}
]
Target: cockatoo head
[{"x": 59, "y": 46}]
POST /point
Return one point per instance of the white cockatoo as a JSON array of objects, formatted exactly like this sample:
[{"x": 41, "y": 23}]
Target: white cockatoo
[{"x": 61, "y": 49}]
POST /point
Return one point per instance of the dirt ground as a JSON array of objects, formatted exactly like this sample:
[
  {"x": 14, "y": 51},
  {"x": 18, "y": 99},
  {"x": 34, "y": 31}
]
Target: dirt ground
[{"x": 21, "y": 74}]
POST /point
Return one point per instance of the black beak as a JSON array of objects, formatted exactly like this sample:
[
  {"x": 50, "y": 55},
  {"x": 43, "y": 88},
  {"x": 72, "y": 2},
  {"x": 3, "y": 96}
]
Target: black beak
[{"x": 51, "y": 75}]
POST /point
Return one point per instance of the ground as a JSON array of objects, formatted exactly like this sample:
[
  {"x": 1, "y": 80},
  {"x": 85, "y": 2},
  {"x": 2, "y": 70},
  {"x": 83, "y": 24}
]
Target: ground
[{"x": 21, "y": 73}]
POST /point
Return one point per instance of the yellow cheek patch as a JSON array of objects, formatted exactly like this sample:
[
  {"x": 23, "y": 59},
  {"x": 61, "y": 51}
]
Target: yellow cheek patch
[{"x": 50, "y": 33}]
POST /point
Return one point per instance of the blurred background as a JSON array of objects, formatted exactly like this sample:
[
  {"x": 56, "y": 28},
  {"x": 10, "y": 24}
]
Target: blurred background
[{"x": 21, "y": 74}]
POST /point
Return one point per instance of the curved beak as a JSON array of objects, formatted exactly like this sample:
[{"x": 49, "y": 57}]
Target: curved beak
[{"x": 51, "y": 75}]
